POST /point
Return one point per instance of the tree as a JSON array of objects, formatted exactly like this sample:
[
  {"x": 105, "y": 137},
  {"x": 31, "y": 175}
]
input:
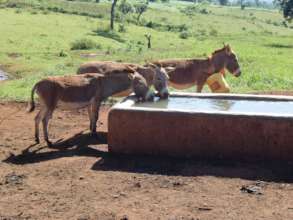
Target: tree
[
  {"x": 140, "y": 8},
  {"x": 113, "y": 14},
  {"x": 287, "y": 7},
  {"x": 242, "y": 4},
  {"x": 223, "y": 2},
  {"x": 149, "y": 37},
  {"x": 257, "y": 3},
  {"x": 125, "y": 7}
]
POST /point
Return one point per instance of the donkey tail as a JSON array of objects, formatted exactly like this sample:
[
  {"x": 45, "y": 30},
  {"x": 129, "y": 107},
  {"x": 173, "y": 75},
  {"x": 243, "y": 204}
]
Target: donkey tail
[{"x": 31, "y": 105}]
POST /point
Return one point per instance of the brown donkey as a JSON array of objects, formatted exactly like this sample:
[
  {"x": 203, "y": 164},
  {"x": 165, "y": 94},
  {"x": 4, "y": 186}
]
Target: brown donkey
[
  {"x": 74, "y": 92},
  {"x": 153, "y": 74},
  {"x": 196, "y": 71}
]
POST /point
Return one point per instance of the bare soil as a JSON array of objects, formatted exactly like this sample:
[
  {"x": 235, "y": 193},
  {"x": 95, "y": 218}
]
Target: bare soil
[{"x": 79, "y": 179}]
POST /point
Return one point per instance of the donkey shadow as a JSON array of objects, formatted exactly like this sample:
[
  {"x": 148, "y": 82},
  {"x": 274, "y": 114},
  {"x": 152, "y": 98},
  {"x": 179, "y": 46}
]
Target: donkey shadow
[
  {"x": 81, "y": 145},
  {"x": 77, "y": 145}
]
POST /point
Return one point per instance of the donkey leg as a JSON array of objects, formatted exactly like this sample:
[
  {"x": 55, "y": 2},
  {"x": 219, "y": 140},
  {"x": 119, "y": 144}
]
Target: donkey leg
[
  {"x": 38, "y": 118},
  {"x": 199, "y": 87},
  {"x": 46, "y": 118},
  {"x": 89, "y": 110},
  {"x": 95, "y": 116}
]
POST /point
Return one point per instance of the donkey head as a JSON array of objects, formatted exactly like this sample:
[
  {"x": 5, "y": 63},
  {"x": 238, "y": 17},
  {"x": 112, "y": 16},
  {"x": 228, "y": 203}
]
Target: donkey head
[
  {"x": 231, "y": 61},
  {"x": 160, "y": 80}
]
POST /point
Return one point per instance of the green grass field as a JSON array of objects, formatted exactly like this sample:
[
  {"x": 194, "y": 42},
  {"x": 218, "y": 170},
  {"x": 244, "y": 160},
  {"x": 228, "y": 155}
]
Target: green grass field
[{"x": 37, "y": 35}]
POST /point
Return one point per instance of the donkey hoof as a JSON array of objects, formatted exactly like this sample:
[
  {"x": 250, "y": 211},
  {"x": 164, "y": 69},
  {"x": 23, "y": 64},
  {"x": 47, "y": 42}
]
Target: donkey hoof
[
  {"x": 49, "y": 143},
  {"x": 37, "y": 140}
]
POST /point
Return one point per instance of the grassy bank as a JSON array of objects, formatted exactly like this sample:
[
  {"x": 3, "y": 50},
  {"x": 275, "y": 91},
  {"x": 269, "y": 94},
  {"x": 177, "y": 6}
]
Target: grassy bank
[{"x": 37, "y": 40}]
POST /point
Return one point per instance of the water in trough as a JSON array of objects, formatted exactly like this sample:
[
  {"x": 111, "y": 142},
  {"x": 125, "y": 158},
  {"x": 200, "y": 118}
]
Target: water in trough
[{"x": 221, "y": 105}]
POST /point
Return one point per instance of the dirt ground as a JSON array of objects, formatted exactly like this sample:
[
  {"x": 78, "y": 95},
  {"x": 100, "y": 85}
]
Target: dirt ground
[{"x": 78, "y": 178}]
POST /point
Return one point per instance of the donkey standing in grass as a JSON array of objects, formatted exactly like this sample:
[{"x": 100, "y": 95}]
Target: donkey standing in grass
[
  {"x": 196, "y": 71},
  {"x": 154, "y": 75},
  {"x": 74, "y": 92}
]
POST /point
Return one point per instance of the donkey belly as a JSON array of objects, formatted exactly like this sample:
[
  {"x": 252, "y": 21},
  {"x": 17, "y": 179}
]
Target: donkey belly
[
  {"x": 72, "y": 105},
  {"x": 181, "y": 85},
  {"x": 123, "y": 93}
]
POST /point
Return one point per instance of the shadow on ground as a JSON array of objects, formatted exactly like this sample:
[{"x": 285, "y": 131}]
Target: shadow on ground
[
  {"x": 278, "y": 45},
  {"x": 85, "y": 145}
]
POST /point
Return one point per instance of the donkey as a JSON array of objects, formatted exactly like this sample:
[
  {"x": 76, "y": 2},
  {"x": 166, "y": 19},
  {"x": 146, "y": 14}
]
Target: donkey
[
  {"x": 153, "y": 74},
  {"x": 196, "y": 71},
  {"x": 141, "y": 89},
  {"x": 74, "y": 92}
]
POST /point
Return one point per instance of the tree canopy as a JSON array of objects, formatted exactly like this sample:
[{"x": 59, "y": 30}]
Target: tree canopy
[{"x": 287, "y": 7}]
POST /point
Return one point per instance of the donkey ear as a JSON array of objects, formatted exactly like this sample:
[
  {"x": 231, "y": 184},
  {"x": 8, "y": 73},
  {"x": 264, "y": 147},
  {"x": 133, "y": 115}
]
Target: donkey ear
[
  {"x": 152, "y": 65},
  {"x": 228, "y": 49},
  {"x": 131, "y": 76}
]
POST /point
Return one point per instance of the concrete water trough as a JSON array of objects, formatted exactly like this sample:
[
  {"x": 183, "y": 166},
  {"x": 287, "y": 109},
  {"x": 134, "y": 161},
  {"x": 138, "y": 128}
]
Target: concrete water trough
[{"x": 207, "y": 126}]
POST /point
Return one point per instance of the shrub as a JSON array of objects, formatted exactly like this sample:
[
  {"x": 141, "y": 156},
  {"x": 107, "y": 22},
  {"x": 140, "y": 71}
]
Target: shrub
[
  {"x": 62, "y": 54},
  {"x": 121, "y": 28},
  {"x": 84, "y": 44},
  {"x": 184, "y": 35},
  {"x": 105, "y": 31},
  {"x": 203, "y": 11},
  {"x": 125, "y": 7},
  {"x": 214, "y": 32},
  {"x": 182, "y": 27}
]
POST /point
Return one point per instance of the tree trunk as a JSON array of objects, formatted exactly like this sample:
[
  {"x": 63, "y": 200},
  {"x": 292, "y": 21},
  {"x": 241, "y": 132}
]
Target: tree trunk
[
  {"x": 138, "y": 17},
  {"x": 113, "y": 14}
]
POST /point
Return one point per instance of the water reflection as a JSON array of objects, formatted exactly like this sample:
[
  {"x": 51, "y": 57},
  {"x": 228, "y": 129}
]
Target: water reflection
[
  {"x": 224, "y": 105},
  {"x": 182, "y": 103},
  {"x": 221, "y": 104}
]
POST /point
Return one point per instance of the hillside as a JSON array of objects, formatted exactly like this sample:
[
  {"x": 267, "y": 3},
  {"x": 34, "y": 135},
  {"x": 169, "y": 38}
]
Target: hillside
[{"x": 37, "y": 39}]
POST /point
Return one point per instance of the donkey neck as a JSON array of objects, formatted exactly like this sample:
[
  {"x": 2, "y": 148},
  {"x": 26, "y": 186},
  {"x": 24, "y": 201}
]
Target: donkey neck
[
  {"x": 218, "y": 62},
  {"x": 112, "y": 85}
]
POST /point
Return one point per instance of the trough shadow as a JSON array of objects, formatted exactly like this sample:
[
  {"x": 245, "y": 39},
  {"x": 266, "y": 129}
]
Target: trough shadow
[
  {"x": 80, "y": 145},
  {"x": 264, "y": 171}
]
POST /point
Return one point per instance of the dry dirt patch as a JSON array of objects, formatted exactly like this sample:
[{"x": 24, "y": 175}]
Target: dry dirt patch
[{"x": 79, "y": 179}]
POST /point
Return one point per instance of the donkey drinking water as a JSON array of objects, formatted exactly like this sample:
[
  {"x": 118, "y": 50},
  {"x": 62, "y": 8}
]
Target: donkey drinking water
[
  {"x": 73, "y": 92},
  {"x": 154, "y": 75}
]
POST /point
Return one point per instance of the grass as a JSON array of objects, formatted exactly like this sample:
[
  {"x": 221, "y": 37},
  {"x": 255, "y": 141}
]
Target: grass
[{"x": 36, "y": 41}]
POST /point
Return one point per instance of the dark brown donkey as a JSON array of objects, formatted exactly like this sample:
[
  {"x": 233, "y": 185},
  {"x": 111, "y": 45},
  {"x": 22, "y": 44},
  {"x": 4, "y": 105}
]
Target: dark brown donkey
[
  {"x": 73, "y": 92},
  {"x": 154, "y": 75},
  {"x": 196, "y": 71}
]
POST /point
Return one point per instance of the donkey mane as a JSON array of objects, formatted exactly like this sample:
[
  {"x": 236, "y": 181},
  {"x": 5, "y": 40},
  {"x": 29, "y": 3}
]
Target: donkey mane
[{"x": 218, "y": 51}]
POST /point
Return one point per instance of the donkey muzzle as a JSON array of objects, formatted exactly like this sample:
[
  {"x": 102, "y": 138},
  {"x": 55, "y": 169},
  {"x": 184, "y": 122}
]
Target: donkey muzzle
[
  {"x": 237, "y": 72},
  {"x": 164, "y": 93}
]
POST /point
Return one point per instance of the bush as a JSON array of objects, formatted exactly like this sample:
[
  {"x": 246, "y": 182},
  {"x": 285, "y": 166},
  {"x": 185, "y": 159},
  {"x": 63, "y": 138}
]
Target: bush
[
  {"x": 62, "y": 54},
  {"x": 203, "y": 11},
  {"x": 121, "y": 28},
  {"x": 214, "y": 32},
  {"x": 84, "y": 44},
  {"x": 182, "y": 27},
  {"x": 125, "y": 7},
  {"x": 105, "y": 31},
  {"x": 184, "y": 35}
]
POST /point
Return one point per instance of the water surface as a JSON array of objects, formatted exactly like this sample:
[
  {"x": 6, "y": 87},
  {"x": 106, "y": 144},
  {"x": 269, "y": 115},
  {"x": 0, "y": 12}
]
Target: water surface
[{"x": 221, "y": 105}]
